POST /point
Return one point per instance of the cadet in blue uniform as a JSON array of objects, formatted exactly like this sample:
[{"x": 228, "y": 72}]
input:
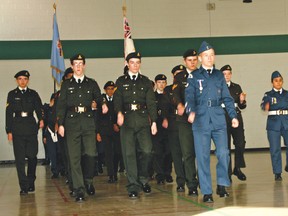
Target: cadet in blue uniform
[
  {"x": 135, "y": 105},
  {"x": 109, "y": 134},
  {"x": 237, "y": 133},
  {"x": 184, "y": 127},
  {"x": 22, "y": 129},
  {"x": 276, "y": 103},
  {"x": 76, "y": 120},
  {"x": 205, "y": 92}
]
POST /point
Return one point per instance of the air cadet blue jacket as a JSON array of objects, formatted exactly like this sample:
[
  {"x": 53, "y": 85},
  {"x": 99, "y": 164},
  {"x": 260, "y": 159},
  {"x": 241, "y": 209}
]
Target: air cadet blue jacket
[
  {"x": 277, "y": 102},
  {"x": 204, "y": 95}
]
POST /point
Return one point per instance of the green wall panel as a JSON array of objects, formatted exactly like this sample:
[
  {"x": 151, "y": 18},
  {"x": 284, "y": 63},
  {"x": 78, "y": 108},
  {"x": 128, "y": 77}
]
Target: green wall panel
[{"x": 148, "y": 47}]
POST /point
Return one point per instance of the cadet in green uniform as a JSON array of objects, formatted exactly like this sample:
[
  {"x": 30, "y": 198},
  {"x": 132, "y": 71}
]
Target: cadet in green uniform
[
  {"x": 75, "y": 119},
  {"x": 22, "y": 129},
  {"x": 184, "y": 127},
  {"x": 134, "y": 103}
]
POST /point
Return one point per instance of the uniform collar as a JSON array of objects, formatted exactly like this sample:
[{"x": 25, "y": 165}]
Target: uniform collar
[
  {"x": 281, "y": 90},
  {"x": 229, "y": 83},
  {"x": 132, "y": 74},
  {"x": 22, "y": 88},
  {"x": 77, "y": 78}
]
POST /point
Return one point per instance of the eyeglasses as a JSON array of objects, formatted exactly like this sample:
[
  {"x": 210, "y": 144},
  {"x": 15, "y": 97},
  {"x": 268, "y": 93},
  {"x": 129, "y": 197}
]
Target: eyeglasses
[{"x": 78, "y": 64}]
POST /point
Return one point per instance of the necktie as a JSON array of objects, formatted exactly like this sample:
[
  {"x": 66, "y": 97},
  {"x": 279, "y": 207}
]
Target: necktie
[
  {"x": 109, "y": 98},
  {"x": 209, "y": 71},
  {"x": 23, "y": 91},
  {"x": 79, "y": 80},
  {"x": 134, "y": 77}
]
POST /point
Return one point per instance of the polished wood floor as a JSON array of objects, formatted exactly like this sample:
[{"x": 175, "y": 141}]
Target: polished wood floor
[{"x": 52, "y": 196}]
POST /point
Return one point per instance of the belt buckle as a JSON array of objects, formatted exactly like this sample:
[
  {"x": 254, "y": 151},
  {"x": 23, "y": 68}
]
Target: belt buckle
[
  {"x": 209, "y": 103},
  {"x": 134, "y": 107},
  {"x": 80, "y": 109},
  {"x": 24, "y": 114},
  {"x": 280, "y": 112}
]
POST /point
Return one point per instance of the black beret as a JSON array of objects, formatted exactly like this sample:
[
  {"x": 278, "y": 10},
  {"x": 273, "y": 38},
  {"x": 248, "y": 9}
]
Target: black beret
[
  {"x": 160, "y": 77},
  {"x": 190, "y": 52},
  {"x": 22, "y": 73},
  {"x": 178, "y": 67},
  {"x": 133, "y": 55},
  {"x": 77, "y": 57},
  {"x": 226, "y": 67},
  {"x": 109, "y": 83}
]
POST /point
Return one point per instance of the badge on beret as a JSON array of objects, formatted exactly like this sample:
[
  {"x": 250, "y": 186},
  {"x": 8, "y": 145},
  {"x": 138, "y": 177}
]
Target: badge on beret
[
  {"x": 79, "y": 57},
  {"x": 181, "y": 67},
  {"x": 138, "y": 54}
]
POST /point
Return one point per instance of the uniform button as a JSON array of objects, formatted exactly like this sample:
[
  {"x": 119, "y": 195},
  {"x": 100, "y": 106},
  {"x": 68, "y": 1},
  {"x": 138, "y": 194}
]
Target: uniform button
[
  {"x": 80, "y": 104},
  {"x": 80, "y": 96},
  {"x": 71, "y": 115},
  {"x": 134, "y": 84},
  {"x": 79, "y": 86},
  {"x": 134, "y": 92},
  {"x": 134, "y": 101}
]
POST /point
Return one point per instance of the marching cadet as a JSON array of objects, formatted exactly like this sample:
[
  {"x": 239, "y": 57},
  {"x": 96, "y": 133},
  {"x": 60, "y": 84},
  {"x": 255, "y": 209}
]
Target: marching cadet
[
  {"x": 184, "y": 127},
  {"x": 76, "y": 121},
  {"x": 275, "y": 102},
  {"x": 109, "y": 134},
  {"x": 22, "y": 129},
  {"x": 162, "y": 161},
  {"x": 169, "y": 113},
  {"x": 205, "y": 92},
  {"x": 134, "y": 103},
  {"x": 237, "y": 133}
]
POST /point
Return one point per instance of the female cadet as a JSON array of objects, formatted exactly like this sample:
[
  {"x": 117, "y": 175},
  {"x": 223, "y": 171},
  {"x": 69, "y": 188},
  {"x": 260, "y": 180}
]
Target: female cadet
[{"x": 276, "y": 103}]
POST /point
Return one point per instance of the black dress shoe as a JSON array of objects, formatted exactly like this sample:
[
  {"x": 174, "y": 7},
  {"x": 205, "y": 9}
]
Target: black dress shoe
[
  {"x": 72, "y": 193},
  {"x": 160, "y": 182},
  {"x": 31, "y": 188},
  {"x": 286, "y": 168},
  {"x": 240, "y": 175},
  {"x": 100, "y": 169},
  {"x": 54, "y": 176},
  {"x": 146, "y": 188},
  {"x": 80, "y": 197},
  {"x": 221, "y": 191},
  {"x": 278, "y": 177},
  {"x": 90, "y": 189},
  {"x": 111, "y": 179},
  {"x": 169, "y": 179},
  {"x": 208, "y": 198},
  {"x": 115, "y": 178},
  {"x": 133, "y": 194},
  {"x": 23, "y": 192},
  {"x": 180, "y": 188},
  {"x": 193, "y": 191}
]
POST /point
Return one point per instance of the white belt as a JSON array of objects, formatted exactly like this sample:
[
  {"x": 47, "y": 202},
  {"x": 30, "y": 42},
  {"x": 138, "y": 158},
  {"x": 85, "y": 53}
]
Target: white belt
[
  {"x": 278, "y": 112},
  {"x": 223, "y": 105}
]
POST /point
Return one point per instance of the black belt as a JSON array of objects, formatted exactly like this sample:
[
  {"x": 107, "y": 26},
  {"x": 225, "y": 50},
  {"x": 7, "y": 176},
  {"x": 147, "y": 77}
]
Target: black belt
[
  {"x": 209, "y": 103},
  {"x": 79, "y": 109},
  {"x": 134, "y": 107},
  {"x": 23, "y": 114}
]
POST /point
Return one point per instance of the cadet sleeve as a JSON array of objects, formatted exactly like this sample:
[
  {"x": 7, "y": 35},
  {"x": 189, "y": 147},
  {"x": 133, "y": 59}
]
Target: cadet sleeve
[
  {"x": 97, "y": 94},
  {"x": 177, "y": 89},
  {"x": 62, "y": 103},
  {"x": 9, "y": 113},
  {"x": 265, "y": 100},
  {"x": 118, "y": 102},
  {"x": 38, "y": 106},
  {"x": 227, "y": 99},
  {"x": 151, "y": 102},
  {"x": 190, "y": 101}
]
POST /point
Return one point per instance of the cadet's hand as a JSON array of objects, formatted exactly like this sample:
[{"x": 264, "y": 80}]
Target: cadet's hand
[
  {"x": 41, "y": 124},
  {"x": 10, "y": 137},
  {"x": 44, "y": 140},
  {"x": 153, "y": 128},
  {"x": 61, "y": 130},
  {"x": 98, "y": 137},
  {"x": 180, "y": 109},
  {"x": 104, "y": 109},
  {"x": 235, "y": 123},
  {"x": 267, "y": 107},
  {"x": 165, "y": 123},
  {"x": 191, "y": 117},
  {"x": 120, "y": 119},
  {"x": 242, "y": 97},
  {"x": 56, "y": 127},
  {"x": 116, "y": 128}
]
